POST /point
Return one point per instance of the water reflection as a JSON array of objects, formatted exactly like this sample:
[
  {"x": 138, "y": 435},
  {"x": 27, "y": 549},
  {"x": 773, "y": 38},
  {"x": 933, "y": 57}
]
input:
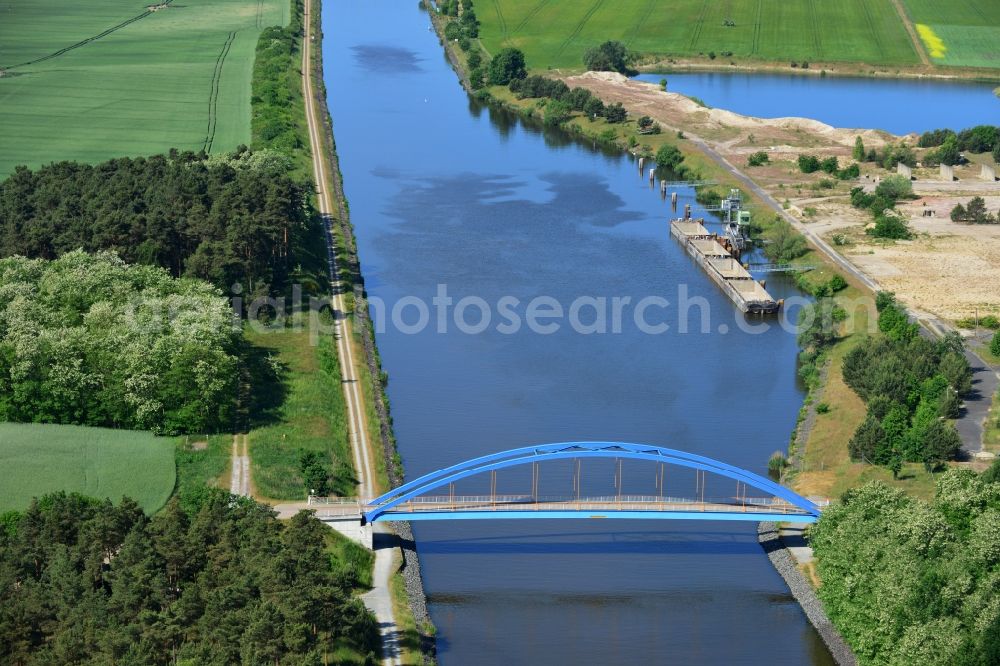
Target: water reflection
[{"x": 386, "y": 60}]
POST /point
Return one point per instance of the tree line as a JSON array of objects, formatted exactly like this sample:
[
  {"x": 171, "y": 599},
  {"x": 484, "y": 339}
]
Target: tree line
[
  {"x": 277, "y": 113},
  {"x": 84, "y": 581},
  {"x": 911, "y": 386},
  {"x": 949, "y": 145},
  {"x": 915, "y": 583},
  {"x": 974, "y": 212},
  {"x": 239, "y": 218}
]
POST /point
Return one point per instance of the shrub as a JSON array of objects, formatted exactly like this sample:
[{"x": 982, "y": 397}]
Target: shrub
[
  {"x": 578, "y": 98},
  {"x": 611, "y": 56},
  {"x": 830, "y": 165},
  {"x": 452, "y": 31},
  {"x": 776, "y": 463},
  {"x": 557, "y": 112},
  {"x": 808, "y": 163},
  {"x": 507, "y": 66},
  {"x": 785, "y": 243},
  {"x": 615, "y": 113},
  {"x": 759, "y": 158},
  {"x": 594, "y": 108},
  {"x": 477, "y": 77},
  {"x": 858, "y": 152},
  {"x": 893, "y": 154},
  {"x": 707, "y": 197},
  {"x": 849, "y": 172},
  {"x": 934, "y": 138},
  {"x": 669, "y": 157},
  {"x": 995, "y": 344},
  {"x": 837, "y": 283},
  {"x": 890, "y": 225},
  {"x": 894, "y": 187}
]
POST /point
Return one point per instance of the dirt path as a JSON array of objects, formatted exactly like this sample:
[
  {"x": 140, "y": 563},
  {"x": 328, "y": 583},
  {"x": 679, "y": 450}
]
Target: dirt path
[
  {"x": 917, "y": 43},
  {"x": 239, "y": 476},
  {"x": 379, "y": 599}
]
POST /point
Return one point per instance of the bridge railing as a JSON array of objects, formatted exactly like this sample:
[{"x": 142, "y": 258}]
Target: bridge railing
[
  {"x": 632, "y": 502},
  {"x": 316, "y": 500}
]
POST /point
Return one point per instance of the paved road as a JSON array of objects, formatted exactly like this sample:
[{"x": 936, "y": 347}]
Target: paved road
[
  {"x": 378, "y": 600},
  {"x": 971, "y": 424}
]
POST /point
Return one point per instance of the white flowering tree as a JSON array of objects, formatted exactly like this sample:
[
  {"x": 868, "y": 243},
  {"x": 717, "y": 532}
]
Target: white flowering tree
[{"x": 88, "y": 339}]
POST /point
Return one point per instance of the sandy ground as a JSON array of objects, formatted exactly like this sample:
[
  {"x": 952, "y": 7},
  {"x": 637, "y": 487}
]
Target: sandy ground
[
  {"x": 727, "y": 128},
  {"x": 949, "y": 270}
]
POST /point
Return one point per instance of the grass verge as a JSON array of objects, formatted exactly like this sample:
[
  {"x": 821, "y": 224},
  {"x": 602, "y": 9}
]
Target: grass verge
[
  {"x": 409, "y": 635},
  {"x": 202, "y": 463},
  {"x": 311, "y": 417},
  {"x": 991, "y": 437}
]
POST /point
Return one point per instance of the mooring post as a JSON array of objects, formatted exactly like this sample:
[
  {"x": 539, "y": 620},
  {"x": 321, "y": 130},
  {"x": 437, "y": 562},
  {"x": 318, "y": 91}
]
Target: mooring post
[
  {"x": 652, "y": 175},
  {"x": 687, "y": 211},
  {"x": 663, "y": 188},
  {"x": 642, "y": 160}
]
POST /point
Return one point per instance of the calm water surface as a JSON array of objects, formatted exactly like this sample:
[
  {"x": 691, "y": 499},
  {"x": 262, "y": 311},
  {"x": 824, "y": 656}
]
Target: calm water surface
[
  {"x": 443, "y": 191},
  {"x": 899, "y": 106}
]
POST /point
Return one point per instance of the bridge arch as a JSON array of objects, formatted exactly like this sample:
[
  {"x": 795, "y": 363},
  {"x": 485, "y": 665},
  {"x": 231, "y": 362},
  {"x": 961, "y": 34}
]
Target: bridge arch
[{"x": 577, "y": 450}]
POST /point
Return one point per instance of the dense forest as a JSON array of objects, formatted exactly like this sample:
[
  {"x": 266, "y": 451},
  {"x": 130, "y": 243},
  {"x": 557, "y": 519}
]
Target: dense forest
[
  {"x": 90, "y": 340},
  {"x": 911, "y": 386},
  {"x": 228, "y": 219},
  {"x": 912, "y": 583},
  {"x": 88, "y": 582}
]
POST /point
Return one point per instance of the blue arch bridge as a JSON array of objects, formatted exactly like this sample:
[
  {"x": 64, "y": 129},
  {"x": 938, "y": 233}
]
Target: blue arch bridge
[{"x": 433, "y": 497}]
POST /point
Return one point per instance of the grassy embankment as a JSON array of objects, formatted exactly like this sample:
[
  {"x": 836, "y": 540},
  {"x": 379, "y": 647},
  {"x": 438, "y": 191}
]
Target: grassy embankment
[
  {"x": 312, "y": 417},
  {"x": 37, "y": 459},
  {"x": 92, "y": 82}
]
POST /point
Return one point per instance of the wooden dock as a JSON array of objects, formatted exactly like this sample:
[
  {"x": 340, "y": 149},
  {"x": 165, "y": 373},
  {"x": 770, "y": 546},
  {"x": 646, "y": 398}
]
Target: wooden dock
[{"x": 726, "y": 271}]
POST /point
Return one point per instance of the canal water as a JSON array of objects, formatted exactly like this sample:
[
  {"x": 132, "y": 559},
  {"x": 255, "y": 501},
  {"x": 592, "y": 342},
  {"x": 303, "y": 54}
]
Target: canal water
[
  {"x": 443, "y": 191},
  {"x": 899, "y": 106}
]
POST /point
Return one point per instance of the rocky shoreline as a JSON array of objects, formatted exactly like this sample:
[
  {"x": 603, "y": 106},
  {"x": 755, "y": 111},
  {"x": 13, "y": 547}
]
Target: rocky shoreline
[{"x": 805, "y": 595}]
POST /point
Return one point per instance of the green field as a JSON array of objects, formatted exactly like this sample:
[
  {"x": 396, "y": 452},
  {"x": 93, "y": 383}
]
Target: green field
[
  {"x": 38, "y": 459},
  {"x": 557, "y": 32},
  {"x": 968, "y": 29},
  {"x": 91, "y": 81}
]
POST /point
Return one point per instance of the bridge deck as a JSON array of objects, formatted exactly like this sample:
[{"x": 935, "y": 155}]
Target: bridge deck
[{"x": 518, "y": 506}]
